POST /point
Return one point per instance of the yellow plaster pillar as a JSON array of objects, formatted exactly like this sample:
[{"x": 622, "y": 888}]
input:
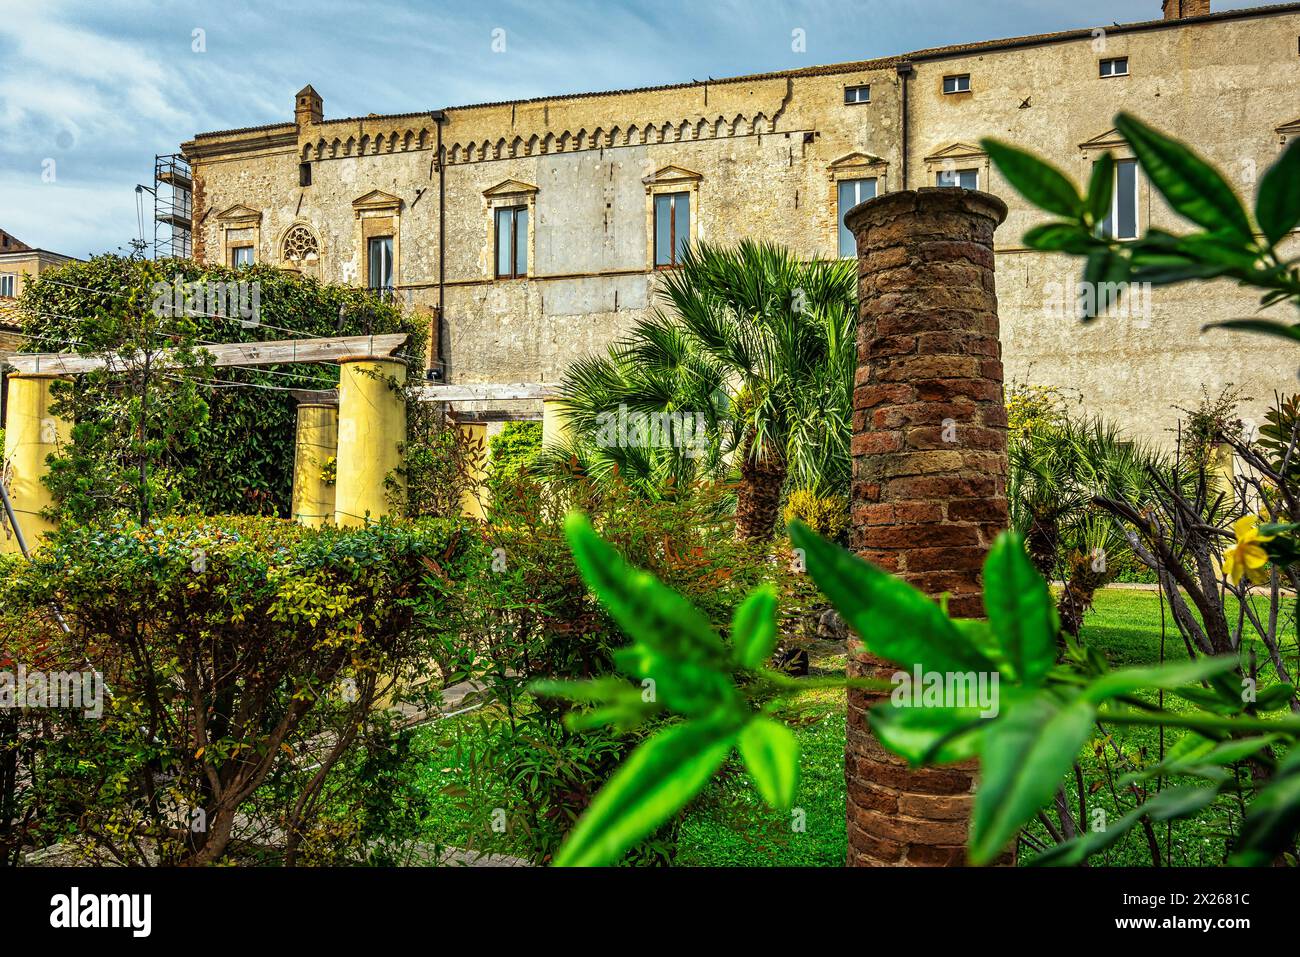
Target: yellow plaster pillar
[
  {"x": 32, "y": 433},
  {"x": 473, "y": 500},
  {"x": 555, "y": 423},
  {"x": 372, "y": 431},
  {"x": 315, "y": 446}
]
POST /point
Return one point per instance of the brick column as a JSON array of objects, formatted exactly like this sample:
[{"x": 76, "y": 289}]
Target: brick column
[{"x": 929, "y": 476}]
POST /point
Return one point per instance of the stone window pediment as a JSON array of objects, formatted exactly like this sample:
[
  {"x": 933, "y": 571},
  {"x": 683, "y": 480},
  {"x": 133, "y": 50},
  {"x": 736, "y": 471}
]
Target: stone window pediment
[
  {"x": 239, "y": 215},
  {"x": 956, "y": 153},
  {"x": 377, "y": 201},
  {"x": 669, "y": 176},
  {"x": 510, "y": 188},
  {"x": 1109, "y": 140}
]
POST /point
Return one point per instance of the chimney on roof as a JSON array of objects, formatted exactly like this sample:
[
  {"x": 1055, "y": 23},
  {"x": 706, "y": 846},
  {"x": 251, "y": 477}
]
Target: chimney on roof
[
  {"x": 308, "y": 107},
  {"x": 1182, "y": 9}
]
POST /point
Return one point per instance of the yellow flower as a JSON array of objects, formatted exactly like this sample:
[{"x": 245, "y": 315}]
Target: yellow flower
[{"x": 1247, "y": 558}]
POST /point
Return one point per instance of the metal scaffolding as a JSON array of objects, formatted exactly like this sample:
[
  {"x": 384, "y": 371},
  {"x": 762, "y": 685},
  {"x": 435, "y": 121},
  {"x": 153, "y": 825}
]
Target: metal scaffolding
[{"x": 172, "y": 207}]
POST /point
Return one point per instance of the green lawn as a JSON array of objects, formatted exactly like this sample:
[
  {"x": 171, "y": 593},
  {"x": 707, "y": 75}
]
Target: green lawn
[{"x": 730, "y": 826}]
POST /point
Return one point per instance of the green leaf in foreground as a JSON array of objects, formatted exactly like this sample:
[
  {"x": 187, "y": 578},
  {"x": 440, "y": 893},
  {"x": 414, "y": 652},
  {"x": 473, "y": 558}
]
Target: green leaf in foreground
[
  {"x": 1267, "y": 327},
  {"x": 1020, "y": 609},
  {"x": 1129, "y": 680},
  {"x": 1272, "y": 818},
  {"x": 771, "y": 754},
  {"x": 1165, "y": 806},
  {"x": 753, "y": 628},
  {"x": 1026, "y": 752},
  {"x": 652, "y": 785},
  {"x": 1042, "y": 184},
  {"x": 895, "y": 620},
  {"x": 1193, "y": 187},
  {"x": 646, "y": 609},
  {"x": 928, "y": 735},
  {"x": 1101, "y": 188},
  {"x": 1278, "y": 205}
]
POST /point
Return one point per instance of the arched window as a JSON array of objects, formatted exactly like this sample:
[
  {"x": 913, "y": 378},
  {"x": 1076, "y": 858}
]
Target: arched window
[{"x": 300, "y": 245}]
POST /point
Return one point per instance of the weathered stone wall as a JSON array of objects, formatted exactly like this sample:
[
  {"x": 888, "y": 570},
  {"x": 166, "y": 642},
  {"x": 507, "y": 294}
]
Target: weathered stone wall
[
  {"x": 929, "y": 476},
  {"x": 762, "y": 156}
]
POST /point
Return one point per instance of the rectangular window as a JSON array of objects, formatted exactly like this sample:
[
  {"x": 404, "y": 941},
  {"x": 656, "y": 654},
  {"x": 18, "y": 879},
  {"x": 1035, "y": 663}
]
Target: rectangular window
[
  {"x": 1115, "y": 67},
  {"x": 380, "y": 259},
  {"x": 857, "y": 94},
  {"x": 1122, "y": 223},
  {"x": 964, "y": 178},
  {"x": 957, "y": 84},
  {"x": 241, "y": 256},
  {"x": 6, "y": 284},
  {"x": 852, "y": 192},
  {"x": 512, "y": 242},
  {"x": 672, "y": 228},
  {"x": 304, "y": 174}
]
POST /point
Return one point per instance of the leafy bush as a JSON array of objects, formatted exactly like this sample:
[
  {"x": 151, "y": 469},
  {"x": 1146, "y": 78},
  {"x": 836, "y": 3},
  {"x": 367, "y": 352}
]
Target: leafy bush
[
  {"x": 242, "y": 657},
  {"x": 520, "y": 613},
  {"x": 827, "y": 514}
]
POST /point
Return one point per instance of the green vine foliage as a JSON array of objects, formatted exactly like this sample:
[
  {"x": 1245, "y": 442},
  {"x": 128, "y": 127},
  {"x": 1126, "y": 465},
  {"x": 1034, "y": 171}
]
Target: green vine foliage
[
  {"x": 222, "y": 439},
  {"x": 720, "y": 696}
]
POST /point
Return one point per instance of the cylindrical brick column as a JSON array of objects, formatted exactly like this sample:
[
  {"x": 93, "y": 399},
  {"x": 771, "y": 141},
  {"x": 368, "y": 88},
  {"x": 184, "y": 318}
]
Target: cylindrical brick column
[{"x": 929, "y": 476}]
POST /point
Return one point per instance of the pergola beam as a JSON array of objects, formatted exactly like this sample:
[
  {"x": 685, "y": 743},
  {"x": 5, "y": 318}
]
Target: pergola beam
[
  {"x": 489, "y": 392},
  {"x": 247, "y": 354}
]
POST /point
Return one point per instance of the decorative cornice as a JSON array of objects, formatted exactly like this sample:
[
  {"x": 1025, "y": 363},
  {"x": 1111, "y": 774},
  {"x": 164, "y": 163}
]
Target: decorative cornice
[
  {"x": 509, "y": 187},
  {"x": 240, "y": 215},
  {"x": 349, "y": 142},
  {"x": 377, "y": 201},
  {"x": 1106, "y": 141},
  {"x": 856, "y": 161},
  {"x": 956, "y": 151},
  {"x": 672, "y": 175}
]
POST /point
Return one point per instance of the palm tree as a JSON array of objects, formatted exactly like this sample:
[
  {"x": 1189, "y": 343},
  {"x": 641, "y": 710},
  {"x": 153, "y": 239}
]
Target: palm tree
[
  {"x": 756, "y": 350},
  {"x": 1058, "y": 466}
]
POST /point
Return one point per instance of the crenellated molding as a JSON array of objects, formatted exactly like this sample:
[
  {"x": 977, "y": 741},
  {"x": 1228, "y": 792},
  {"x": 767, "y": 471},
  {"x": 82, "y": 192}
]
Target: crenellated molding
[{"x": 460, "y": 152}]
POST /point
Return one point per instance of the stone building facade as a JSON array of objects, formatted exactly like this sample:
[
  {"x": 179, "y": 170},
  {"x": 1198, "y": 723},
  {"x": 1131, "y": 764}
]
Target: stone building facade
[
  {"x": 19, "y": 262},
  {"x": 540, "y": 237}
]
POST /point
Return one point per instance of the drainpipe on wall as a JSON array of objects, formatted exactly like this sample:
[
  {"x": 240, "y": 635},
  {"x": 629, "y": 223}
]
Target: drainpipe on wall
[
  {"x": 904, "y": 71},
  {"x": 437, "y": 364}
]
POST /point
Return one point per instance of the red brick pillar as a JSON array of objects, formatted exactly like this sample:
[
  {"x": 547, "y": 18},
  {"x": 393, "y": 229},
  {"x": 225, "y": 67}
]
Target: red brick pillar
[{"x": 929, "y": 476}]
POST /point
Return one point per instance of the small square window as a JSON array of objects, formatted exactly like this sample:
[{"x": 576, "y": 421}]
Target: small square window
[
  {"x": 304, "y": 174},
  {"x": 959, "y": 178},
  {"x": 241, "y": 256},
  {"x": 857, "y": 94},
  {"x": 957, "y": 84},
  {"x": 1118, "y": 66}
]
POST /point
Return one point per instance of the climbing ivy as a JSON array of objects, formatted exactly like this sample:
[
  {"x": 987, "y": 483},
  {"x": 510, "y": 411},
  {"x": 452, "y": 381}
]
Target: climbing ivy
[{"x": 238, "y": 458}]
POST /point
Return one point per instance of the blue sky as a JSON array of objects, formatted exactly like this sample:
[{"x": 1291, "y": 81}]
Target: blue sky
[{"x": 91, "y": 89}]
